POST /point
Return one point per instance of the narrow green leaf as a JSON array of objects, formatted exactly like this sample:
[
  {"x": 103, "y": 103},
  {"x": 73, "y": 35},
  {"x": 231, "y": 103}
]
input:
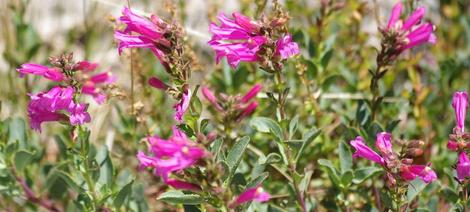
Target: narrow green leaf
[
  {"x": 67, "y": 179},
  {"x": 123, "y": 194},
  {"x": 308, "y": 139},
  {"x": 345, "y": 157},
  {"x": 178, "y": 197},
  {"x": 347, "y": 178},
  {"x": 304, "y": 183},
  {"x": 325, "y": 60},
  {"x": 267, "y": 125},
  {"x": 216, "y": 148},
  {"x": 414, "y": 188},
  {"x": 293, "y": 125},
  {"x": 331, "y": 170},
  {"x": 257, "y": 180},
  {"x": 362, "y": 174},
  {"x": 235, "y": 154}
]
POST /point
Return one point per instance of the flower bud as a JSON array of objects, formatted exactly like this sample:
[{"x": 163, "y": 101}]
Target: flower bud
[
  {"x": 391, "y": 181},
  {"x": 407, "y": 161},
  {"x": 415, "y": 144},
  {"x": 414, "y": 152}
]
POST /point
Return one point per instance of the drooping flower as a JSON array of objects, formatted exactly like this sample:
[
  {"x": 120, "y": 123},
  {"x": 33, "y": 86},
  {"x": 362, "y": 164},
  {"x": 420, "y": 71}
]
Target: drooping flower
[
  {"x": 55, "y": 105},
  {"x": 411, "y": 32},
  {"x": 362, "y": 150},
  {"x": 411, "y": 172},
  {"x": 241, "y": 39},
  {"x": 460, "y": 105},
  {"x": 142, "y": 32},
  {"x": 463, "y": 166},
  {"x": 173, "y": 154},
  {"x": 157, "y": 83},
  {"x": 53, "y": 74},
  {"x": 252, "y": 194}
]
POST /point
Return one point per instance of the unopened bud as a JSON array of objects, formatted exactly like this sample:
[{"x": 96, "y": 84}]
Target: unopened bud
[
  {"x": 407, "y": 161},
  {"x": 415, "y": 144},
  {"x": 391, "y": 181},
  {"x": 414, "y": 152}
]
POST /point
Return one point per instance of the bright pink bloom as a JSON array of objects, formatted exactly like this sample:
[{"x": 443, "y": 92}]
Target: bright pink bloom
[
  {"x": 252, "y": 194},
  {"x": 181, "y": 185},
  {"x": 285, "y": 48},
  {"x": 53, "y": 74},
  {"x": 148, "y": 33},
  {"x": 86, "y": 66},
  {"x": 411, "y": 172},
  {"x": 412, "y": 29},
  {"x": 56, "y": 105},
  {"x": 92, "y": 86},
  {"x": 182, "y": 106},
  {"x": 460, "y": 105},
  {"x": 362, "y": 150},
  {"x": 251, "y": 94},
  {"x": 463, "y": 166},
  {"x": 384, "y": 143},
  {"x": 171, "y": 155},
  {"x": 452, "y": 145},
  {"x": 157, "y": 83},
  {"x": 238, "y": 39}
]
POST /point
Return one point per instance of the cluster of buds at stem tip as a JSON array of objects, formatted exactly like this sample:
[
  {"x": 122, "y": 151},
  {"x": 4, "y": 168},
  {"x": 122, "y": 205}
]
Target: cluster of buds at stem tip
[
  {"x": 233, "y": 108},
  {"x": 61, "y": 103},
  {"x": 398, "y": 166},
  {"x": 265, "y": 41},
  {"x": 400, "y": 35},
  {"x": 459, "y": 139},
  {"x": 165, "y": 40}
]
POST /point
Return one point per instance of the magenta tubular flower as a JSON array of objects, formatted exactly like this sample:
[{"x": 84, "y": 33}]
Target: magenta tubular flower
[
  {"x": 171, "y": 155},
  {"x": 86, "y": 66},
  {"x": 452, "y": 145},
  {"x": 285, "y": 48},
  {"x": 209, "y": 95},
  {"x": 56, "y": 105},
  {"x": 460, "y": 105},
  {"x": 157, "y": 83},
  {"x": 251, "y": 94},
  {"x": 252, "y": 194},
  {"x": 250, "y": 109},
  {"x": 181, "y": 185},
  {"x": 147, "y": 33},
  {"x": 411, "y": 172},
  {"x": 182, "y": 106},
  {"x": 463, "y": 166},
  {"x": 92, "y": 86},
  {"x": 384, "y": 142},
  {"x": 53, "y": 74},
  {"x": 238, "y": 39},
  {"x": 362, "y": 150},
  {"x": 415, "y": 32}
]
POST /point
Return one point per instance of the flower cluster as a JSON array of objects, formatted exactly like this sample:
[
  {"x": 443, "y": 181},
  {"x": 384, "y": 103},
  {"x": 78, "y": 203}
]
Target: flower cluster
[
  {"x": 397, "y": 165},
  {"x": 61, "y": 102},
  {"x": 265, "y": 41},
  {"x": 172, "y": 155},
  {"x": 401, "y": 35},
  {"x": 233, "y": 108},
  {"x": 458, "y": 140}
]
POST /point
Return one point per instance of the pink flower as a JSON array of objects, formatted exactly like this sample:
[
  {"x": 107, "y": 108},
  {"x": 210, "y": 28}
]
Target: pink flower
[
  {"x": 182, "y": 106},
  {"x": 141, "y": 32},
  {"x": 412, "y": 30},
  {"x": 384, "y": 143},
  {"x": 53, "y": 74},
  {"x": 92, "y": 85},
  {"x": 463, "y": 166},
  {"x": 452, "y": 145},
  {"x": 181, "y": 185},
  {"x": 362, "y": 150},
  {"x": 209, "y": 95},
  {"x": 157, "y": 83},
  {"x": 252, "y": 194},
  {"x": 285, "y": 48},
  {"x": 460, "y": 105},
  {"x": 238, "y": 39},
  {"x": 411, "y": 172},
  {"x": 248, "y": 110},
  {"x": 251, "y": 94},
  {"x": 56, "y": 105},
  {"x": 86, "y": 66},
  {"x": 171, "y": 155}
]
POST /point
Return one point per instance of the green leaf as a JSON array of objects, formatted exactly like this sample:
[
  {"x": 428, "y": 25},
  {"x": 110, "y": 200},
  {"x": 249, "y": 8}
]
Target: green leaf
[
  {"x": 23, "y": 158},
  {"x": 326, "y": 58},
  {"x": 331, "y": 170},
  {"x": 66, "y": 178},
  {"x": 178, "y": 197},
  {"x": 216, "y": 148},
  {"x": 257, "y": 180},
  {"x": 303, "y": 185},
  {"x": 235, "y": 154},
  {"x": 123, "y": 194},
  {"x": 414, "y": 188},
  {"x": 293, "y": 125},
  {"x": 309, "y": 137},
  {"x": 362, "y": 174},
  {"x": 391, "y": 125},
  {"x": 17, "y": 132},
  {"x": 450, "y": 195},
  {"x": 345, "y": 157},
  {"x": 267, "y": 125},
  {"x": 347, "y": 178}
]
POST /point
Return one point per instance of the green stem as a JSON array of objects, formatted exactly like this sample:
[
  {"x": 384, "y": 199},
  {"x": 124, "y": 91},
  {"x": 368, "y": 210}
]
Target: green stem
[
  {"x": 280, "y": 98},
  {"x": 86, "y": 171},
  {"x": 465, "y": 197}
]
